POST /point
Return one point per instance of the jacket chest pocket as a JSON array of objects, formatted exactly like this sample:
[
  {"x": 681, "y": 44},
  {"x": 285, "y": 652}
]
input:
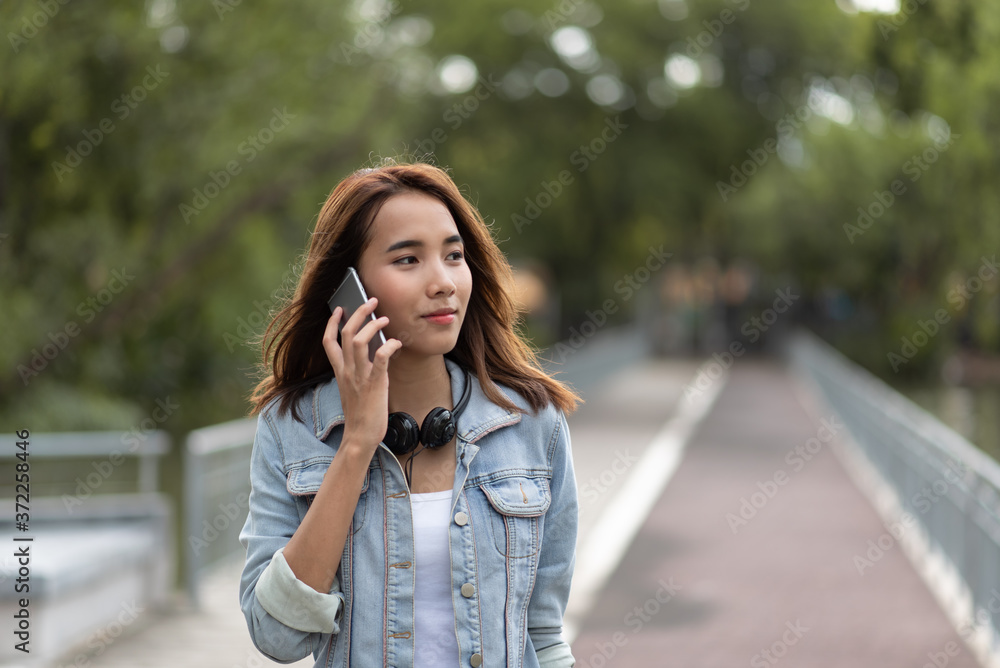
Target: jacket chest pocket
[
  {"x": 304, "y": 481},
  {"x": 517, "y": 503}
]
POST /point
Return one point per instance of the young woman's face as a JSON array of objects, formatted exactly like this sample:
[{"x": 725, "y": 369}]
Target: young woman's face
[{"x": 415, "y": 266}]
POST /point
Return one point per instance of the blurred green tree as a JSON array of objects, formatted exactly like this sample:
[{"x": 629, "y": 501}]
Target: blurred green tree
[{"x": 162, "y": 164}]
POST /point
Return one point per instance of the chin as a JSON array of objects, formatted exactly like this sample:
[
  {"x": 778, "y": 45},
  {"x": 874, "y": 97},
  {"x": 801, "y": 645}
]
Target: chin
[
  {"x": 423, "y": 339},
  {"x": 431, "y": 348}
]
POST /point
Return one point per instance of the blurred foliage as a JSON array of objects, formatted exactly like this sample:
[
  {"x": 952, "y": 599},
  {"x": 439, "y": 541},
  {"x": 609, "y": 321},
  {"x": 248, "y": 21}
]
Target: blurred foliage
[{"x": 161, "y": 165}]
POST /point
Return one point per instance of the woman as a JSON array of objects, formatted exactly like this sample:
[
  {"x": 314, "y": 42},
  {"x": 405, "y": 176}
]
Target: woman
[{"x": 363, "y": 555}]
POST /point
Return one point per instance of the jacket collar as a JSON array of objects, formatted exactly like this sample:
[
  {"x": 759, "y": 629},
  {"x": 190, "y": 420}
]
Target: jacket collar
[{"x": 480, "y": 417}]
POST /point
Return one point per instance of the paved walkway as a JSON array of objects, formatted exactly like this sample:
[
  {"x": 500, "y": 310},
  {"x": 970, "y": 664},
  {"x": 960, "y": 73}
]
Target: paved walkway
[
  {"x": 628, "y": 409},
  {"x": 215, "y": 636},
  {"x": 785, "y": 582},
  {"x": 701, "y": 586}
]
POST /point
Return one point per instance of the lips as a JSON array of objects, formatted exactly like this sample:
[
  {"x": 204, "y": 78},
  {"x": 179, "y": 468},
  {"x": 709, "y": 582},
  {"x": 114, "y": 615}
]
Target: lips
[{"x": 442, "y": 311}]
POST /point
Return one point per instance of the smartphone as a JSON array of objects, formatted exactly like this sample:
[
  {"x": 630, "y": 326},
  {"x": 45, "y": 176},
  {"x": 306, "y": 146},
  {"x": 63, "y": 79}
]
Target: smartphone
[{"x": 349, "y": 296}]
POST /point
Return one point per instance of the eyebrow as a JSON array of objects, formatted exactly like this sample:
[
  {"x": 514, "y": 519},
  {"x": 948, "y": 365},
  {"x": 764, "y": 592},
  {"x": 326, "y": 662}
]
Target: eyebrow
[{"x": 411, "y": 243}]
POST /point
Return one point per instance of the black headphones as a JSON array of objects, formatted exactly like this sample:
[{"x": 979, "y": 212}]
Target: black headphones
[{"x": 439, "y": 427}]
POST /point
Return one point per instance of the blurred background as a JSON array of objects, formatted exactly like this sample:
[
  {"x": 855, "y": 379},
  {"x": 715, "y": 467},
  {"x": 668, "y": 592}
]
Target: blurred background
[{"x": 698, "y": 173}]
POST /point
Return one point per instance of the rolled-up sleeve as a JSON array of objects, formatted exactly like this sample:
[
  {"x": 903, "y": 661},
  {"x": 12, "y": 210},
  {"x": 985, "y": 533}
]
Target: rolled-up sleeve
[
  {"x": 294, "y": 603},
  {"x": 557, "y": 558},
  {"x": 287, "y": 619}
]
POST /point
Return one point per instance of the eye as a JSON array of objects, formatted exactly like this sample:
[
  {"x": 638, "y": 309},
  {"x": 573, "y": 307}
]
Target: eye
[
  {"x": 458, "y": 255},
  {"x": 402, "y": 260}
]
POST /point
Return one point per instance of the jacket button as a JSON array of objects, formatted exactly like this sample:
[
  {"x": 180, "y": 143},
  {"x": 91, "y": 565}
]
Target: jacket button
[
  {"x": 476, "y": 660},
  {"x": 461, "y": 519},
  {"x": 468, "y": 590}
]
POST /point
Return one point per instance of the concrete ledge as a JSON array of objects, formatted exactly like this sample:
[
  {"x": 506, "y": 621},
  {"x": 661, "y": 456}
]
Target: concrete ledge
[{"x": 91, "y": 573}]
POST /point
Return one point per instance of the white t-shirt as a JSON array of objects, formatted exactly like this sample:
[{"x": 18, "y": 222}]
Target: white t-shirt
[{"x": 435, "y": 644}]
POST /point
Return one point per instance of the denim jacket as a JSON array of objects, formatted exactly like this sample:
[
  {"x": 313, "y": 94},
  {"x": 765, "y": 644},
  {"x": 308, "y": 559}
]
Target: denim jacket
[{"x": 512, "y": 539}]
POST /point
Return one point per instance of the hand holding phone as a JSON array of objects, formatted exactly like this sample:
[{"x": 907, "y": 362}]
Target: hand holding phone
[
  {"x": 364, "y": 389},
  {"x": 350, "y": 296}
]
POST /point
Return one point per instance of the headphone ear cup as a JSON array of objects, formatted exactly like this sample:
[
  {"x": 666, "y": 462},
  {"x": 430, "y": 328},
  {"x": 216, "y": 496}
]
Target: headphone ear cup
[
  {"x": 401, "y": 434},
  {"x": 438, "y": 428}
]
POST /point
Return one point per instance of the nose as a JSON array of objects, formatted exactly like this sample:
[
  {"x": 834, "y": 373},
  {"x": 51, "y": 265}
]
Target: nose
[{"x": 440, "y": 280}]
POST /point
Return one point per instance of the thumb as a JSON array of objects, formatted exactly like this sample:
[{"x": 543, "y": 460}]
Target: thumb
[{"x": 385, "y": 353}]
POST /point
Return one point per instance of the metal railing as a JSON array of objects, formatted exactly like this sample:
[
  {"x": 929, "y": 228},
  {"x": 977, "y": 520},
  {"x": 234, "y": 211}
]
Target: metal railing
[
  {"x": 109, "y": 451},
  {"x": 106, "y": 533},
  {"x": 950, "y": 488},
  {"x": 217, "y": 489}
]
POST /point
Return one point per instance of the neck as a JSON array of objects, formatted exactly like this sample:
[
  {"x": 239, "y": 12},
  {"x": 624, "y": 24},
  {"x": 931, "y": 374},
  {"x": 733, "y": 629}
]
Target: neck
[{"x": 417, "y": 385}]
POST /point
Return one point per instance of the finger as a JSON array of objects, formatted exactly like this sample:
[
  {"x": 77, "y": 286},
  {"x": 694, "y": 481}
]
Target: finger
[
  {"x": 362, "y": 341},
  {"x": 330, "y": 345},
  {"x": 349, "y": 342},
  {"x": 385, "y": 353},
  {"x": 370, "y": 329},
  {"x": 357, "y": 319}
]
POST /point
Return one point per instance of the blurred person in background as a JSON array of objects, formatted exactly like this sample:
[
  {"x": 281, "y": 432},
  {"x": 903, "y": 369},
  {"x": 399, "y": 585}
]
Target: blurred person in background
[{"x": 356, "y": 553}]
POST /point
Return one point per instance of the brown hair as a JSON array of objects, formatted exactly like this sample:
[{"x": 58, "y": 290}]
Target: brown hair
[{"x": 293, "y": 357}]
